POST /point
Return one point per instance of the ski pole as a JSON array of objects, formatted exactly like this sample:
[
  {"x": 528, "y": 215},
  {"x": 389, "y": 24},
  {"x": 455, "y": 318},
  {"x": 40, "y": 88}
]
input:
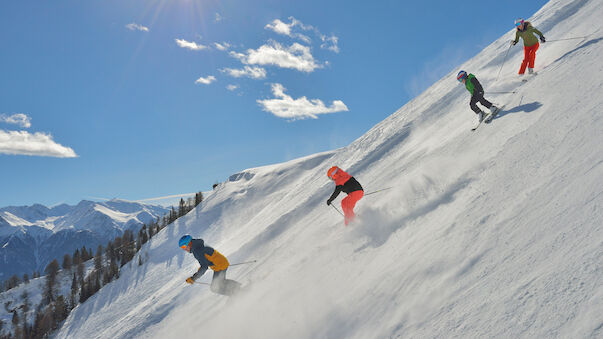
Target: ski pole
[
  {"x": 503, "y": 63},
  {"x": 337, "y": 210},
  {"x": 580, "y": 37},
  {"x": 381, "y": 190},
  {"x": 243, "y": 263},
  {"x": 202, "y": 283},
  {"x": 500, "y": 92}
]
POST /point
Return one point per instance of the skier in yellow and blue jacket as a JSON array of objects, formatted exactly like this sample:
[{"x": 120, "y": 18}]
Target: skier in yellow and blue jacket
[{"x": 209, "y": 258}]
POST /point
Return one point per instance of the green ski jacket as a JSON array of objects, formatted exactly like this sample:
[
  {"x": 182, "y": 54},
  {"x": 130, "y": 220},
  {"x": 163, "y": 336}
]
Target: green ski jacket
[
  {"x": 471, "y": 84},
  {"x": 527, "y": 35}
]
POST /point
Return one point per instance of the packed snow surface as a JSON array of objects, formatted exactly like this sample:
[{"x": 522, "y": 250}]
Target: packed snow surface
[{"x": 492, "y": 233}]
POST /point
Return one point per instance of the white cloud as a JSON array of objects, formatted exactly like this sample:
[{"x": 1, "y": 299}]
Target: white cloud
[
  {"x": 223, "y": 46},
  {"x": 283, "y": 28},
  {"x": 218, "y": 17},
  {"x": 18, "y": 119},
  {"x": 296, "y": 56},
  {"x": 206, "y": 81},
  {"x": 279, "y": 27},
  {"x": 247, "y": 71},
  {"x": 232, "y": 87},
  {"x": 137, "y": 27},
  {"x": 284, "y": 106},
  {"x": 193, "y": 46},
  {"x": 39, "y": 144},
  {"x": 330, "y": 43}
]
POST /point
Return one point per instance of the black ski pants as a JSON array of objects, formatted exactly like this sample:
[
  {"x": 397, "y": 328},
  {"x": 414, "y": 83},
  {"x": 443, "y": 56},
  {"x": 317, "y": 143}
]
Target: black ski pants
[
  {"x": 478, "y": 97},
  {"x": 221, "y": 285}
]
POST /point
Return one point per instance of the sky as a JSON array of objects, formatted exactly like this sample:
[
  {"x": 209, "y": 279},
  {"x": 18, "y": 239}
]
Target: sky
[{"x": 144, "y": 99}]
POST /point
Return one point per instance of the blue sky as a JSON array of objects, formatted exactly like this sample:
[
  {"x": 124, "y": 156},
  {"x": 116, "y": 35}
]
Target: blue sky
[{"x": 141, "y": 99}]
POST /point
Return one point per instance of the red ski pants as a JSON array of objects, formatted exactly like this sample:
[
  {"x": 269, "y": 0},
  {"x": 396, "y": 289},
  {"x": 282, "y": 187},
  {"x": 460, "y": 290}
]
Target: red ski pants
[
  {"x": 348, "y": 203},
  {"x": 529, "y": 57}
]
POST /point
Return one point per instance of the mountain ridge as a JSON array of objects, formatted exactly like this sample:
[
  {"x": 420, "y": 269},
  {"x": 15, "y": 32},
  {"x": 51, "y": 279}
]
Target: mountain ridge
[{"x": 49, "y": 234}]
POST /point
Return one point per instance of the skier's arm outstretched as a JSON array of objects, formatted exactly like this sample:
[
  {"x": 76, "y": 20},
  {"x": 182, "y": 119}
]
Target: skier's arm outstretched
[
  {"x": 335, "y": 194},
  {"x": 539, "y": 34},
  {"x": 199, "y": 273}
]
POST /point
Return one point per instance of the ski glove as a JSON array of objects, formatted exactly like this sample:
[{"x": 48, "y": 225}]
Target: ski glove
[
  {"x": 542, "y": 39},
  {"x": 190, "y": 280},
  {"x": 513, "y": 42},
  {"x": 328, "y": 202}
]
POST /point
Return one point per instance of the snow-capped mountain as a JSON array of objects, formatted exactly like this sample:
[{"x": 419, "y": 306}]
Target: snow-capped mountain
[
  {"x": 32, "y": 236},
  {"x": 492, "y": 233}
]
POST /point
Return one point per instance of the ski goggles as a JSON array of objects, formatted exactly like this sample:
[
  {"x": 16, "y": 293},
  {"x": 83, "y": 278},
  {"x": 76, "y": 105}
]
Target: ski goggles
[
  {"x": 333, "y": 174},
  {"x": 461, "y": 77},
  {"x": 184, "y": 246},
  {"x": 518, "y": 23}
]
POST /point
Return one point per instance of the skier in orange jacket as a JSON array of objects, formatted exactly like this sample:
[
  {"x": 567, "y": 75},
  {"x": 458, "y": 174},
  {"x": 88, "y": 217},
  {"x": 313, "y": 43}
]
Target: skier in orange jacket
[
  {"x": 209, "y": 258},
  {"x": 348, "y": 184}
]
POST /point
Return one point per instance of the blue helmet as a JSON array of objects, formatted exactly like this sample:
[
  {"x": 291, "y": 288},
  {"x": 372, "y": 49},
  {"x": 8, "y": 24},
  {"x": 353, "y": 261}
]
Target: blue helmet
[
  {"x": 185, "y": 240},
  {"x": 462, "y": 75}
]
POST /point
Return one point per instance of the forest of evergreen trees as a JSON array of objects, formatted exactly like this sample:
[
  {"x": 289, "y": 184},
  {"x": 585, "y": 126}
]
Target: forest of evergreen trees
[{"x": 107, "y": 261}]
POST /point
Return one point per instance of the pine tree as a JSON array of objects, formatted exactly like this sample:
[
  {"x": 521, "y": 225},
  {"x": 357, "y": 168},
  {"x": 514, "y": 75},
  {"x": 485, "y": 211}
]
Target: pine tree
[
  {"x": 24, "y": 325},
  {"x": 26, "y": 303},
  {"x": 51, "y": 275},
  {"x": 117, "y": 242},
  {"x": 60, "y": 310},
  {"x": 181, "y": 208},
  {"x": 67, "y": 262},
  {"x": 138, "y": 242},
  {"x": 12, "y": 282},
  {"x": 25, "y": 329},
  {"x": 26, "y": 278},
  {"x": 84, "y": 254},
  {"x": 73, "y": 290},
  {"x": 77, "y": 257},
  {"x": 15, "y": 318},
  {"x": 38, "y": 330},
  {"x": 47, "y": 323},
  {"x": 143, "y": 234},
  {"x": 24, "y": 309},
  {"x": 98, "y": 259},
  {"x": 97, "y": 281},
  {"x": 151, "y": 228},
  {"x": 190, "y": 204},
  {"x": 198, "y": 198},
  {"x": 80, "y": 270},
  {"x": 83, "y": 291}
]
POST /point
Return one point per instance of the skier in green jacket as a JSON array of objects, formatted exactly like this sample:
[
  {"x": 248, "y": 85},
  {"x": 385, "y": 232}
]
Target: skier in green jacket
[
  {"x": 526, "y": 32},
  {"x": 477, "y": 95}
]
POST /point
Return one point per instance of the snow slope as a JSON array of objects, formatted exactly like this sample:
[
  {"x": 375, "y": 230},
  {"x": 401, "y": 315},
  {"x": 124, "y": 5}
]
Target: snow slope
[{"x": 492, "y": 233}]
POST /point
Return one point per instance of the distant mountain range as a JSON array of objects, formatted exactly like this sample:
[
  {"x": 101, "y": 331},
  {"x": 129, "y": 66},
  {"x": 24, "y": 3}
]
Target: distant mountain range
[{"x": 32, "y": 236}]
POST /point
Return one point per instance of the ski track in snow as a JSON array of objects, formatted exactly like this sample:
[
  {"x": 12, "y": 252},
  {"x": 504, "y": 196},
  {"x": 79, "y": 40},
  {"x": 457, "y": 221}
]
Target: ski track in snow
[{"x": 492, "y": 233}]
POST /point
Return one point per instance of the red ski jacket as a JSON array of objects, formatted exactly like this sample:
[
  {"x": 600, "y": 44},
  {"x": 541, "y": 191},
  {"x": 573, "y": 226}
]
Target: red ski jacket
[{"x": 344, "y": 182}]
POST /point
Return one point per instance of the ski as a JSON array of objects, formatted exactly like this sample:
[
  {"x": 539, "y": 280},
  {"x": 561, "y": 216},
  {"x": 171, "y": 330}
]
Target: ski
[{"x": 491, "y": 116}]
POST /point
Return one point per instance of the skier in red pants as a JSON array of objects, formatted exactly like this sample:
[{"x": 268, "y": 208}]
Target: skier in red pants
[
  {"x": 526, "y": 32},
  {"x": 348, "y": 184}
]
